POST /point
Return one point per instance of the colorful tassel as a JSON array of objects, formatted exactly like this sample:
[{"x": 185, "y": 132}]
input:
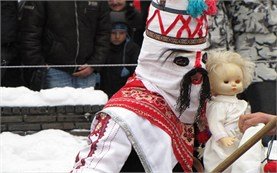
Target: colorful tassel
[
  {"x": 212, "y": 8},
  {"x": 196, "y": 8},
  {"x": 271, "y": 166},
  {"x": 203, "y": 136}
]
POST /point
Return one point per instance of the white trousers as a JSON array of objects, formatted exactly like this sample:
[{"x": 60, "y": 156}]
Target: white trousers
[{"x": 123, "y": 131}]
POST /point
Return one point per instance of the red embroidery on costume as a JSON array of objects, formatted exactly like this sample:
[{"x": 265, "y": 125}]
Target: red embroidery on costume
[
  {"x": 199, "y": 28},
  {"x": 185, "y": 20},
  {"x": 198, "y": 60},
  {"x": 95, "y": 135},
  {"x": 184, "y": 27},
  {"x": 135, "y": 97},
  {"x": 202, "y": 132}
]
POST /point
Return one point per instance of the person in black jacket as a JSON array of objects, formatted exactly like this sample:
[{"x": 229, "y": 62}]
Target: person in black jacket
[
  {"x": 65, "y": 33},
  {"x": 9, "y": 52},
  {"x": 142, "y": 6},
  {"x": 133, "y": 17},
  {"x": 123, "y": 50}
]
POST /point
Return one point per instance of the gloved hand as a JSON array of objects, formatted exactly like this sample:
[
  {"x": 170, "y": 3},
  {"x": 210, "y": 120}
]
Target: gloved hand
[{"x": 35, "y": 78}]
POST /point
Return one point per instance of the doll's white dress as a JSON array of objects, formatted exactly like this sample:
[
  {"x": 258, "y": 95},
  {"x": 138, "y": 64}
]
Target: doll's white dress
[{"x": 223, "y": 113}]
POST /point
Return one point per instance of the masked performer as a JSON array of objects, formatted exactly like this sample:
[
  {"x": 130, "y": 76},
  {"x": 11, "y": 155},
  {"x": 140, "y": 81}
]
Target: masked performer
[{"x": 160, "y": 110}]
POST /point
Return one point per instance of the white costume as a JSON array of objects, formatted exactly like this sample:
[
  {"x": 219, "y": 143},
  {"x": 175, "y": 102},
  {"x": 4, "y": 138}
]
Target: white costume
[
  {"x": 143, "y": 114},
  {"x": 223, "y": 114},
  {"x": 115, "y": 146}
]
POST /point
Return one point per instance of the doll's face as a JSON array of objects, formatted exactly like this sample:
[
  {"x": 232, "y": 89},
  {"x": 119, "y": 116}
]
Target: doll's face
[{"x": 227, "y": 79}]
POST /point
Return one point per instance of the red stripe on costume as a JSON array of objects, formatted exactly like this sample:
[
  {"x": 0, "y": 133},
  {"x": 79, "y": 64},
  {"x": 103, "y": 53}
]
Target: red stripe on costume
[
  {"x": 151, "y": 18},
  {"x": 207, "y": 27},
  {"x": 98, "y": 133},
  {"x": 170, "y": 26},
  {"x": 151, "y": 106},
  {"x": 179, "y": 18},
  {"x": 199, "y": 26},
  {"x": 198, "y": 60},
  {"x": 109, "y": 147},
  {"x": 184, "y": 27}
]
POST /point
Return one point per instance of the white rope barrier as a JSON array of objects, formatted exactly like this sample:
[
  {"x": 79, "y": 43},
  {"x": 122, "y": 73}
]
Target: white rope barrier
[
  {"x": 67, "y": 66},
  {"x": 96, "y": 65}
]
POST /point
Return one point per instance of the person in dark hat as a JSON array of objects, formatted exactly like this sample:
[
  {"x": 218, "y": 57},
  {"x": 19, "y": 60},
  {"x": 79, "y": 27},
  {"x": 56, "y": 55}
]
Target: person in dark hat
[
  {"x": 133, "y": 17},
  {"x": 123, "y": 50}
]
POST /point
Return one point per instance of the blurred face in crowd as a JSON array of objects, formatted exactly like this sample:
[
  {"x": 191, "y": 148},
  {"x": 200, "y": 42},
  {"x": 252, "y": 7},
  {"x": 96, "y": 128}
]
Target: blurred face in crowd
[
  {"x": 117, "y": 5},
  {"x": 118, "y": 36}
]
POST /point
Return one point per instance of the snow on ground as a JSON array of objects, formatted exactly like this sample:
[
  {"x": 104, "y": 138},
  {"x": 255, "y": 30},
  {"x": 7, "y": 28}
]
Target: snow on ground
[
  {"x": 48, "y": 151},
  {"x": 22, "y": 96}
]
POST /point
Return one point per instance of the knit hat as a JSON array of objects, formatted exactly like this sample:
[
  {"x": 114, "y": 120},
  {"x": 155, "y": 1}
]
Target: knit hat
[
  {"x": 118, "y": 21},
  {"x": 119, "y": 27}
]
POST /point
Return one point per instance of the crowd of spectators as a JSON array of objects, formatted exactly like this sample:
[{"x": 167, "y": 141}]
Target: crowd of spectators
[{"x": 62, "y": 40}]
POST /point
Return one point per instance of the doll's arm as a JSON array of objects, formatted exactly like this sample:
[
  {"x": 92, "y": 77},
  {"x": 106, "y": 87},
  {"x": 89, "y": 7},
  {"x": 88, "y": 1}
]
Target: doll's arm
[
  {"x": 216, "y": 117},
  {"x": 227, "y": 141}
]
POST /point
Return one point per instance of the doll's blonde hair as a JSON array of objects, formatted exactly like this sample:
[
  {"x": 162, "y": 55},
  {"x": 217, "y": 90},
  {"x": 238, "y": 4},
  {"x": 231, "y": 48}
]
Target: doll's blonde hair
[{"x": 218, "y": 58}]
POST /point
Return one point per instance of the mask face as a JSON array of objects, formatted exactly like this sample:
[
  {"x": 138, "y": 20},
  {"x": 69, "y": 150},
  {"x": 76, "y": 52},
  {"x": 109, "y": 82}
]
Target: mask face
[
  {"x": 189, "y": 66},
  {"x": 190, "y": 60},
  {"x": 194, "y": 85},
  {"x": 227, "y": 79},
  {"x": 174, "y": 73},
  {"x": 181, "y": 76}
]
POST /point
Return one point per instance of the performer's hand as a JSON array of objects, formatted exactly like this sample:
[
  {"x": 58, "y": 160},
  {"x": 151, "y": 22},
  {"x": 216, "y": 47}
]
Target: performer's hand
[
  {"x": 248, "y": 120},
  {"x": 83, "y": 71},
  {"x": 227, "y": 141}
]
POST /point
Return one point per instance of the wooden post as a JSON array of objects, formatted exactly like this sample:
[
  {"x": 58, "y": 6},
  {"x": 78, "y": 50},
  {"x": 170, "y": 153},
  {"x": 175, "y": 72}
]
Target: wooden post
[{"x": 246, "y": 146}]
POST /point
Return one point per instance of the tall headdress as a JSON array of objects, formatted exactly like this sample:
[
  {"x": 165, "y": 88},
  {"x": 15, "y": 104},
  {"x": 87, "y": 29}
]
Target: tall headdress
[{"x": 180, "y": 22}]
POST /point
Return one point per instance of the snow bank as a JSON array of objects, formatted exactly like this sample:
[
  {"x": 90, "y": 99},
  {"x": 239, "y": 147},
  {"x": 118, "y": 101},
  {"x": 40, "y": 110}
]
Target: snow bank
[
  {"x": 45, "y": 151},
  {"x": 22, "y": 96}
]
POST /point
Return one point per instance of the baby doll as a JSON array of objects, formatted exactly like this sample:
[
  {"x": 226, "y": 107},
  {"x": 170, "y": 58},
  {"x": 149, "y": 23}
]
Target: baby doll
[{"x": 229, "y": 74}]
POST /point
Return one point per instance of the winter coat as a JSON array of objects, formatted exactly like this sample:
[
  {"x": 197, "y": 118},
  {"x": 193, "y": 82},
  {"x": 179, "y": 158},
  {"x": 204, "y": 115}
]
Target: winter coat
[
  {"x": 142, "y": 6},
  {"x": 8, "y": 22},
  {"x": 136, "y": 24},
  {"x": 9, "y": 28},
  {"x": 64, "y": 32},
  {"x": 113, "y": 78}
]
